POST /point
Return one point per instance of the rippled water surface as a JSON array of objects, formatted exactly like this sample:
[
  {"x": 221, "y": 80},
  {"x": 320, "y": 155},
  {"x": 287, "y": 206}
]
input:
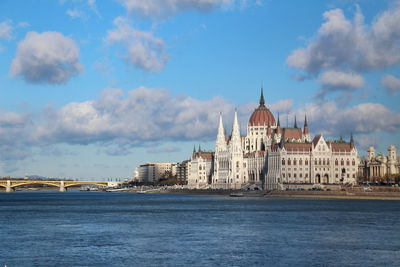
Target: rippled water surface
[{"x": 126, "y": 229}]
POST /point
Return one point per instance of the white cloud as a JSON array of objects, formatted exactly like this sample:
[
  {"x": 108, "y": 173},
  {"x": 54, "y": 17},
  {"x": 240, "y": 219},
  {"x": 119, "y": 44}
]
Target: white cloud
[
  {"x": 351, "y": 45},
  {"x": 165, "y": 8},
  {"x": 363, "y": 142},
  {"x": 391, "y": 83},
  {"x": 47, "y": 57},
  {"x": 341, "y": 80},
  {"x": 329, "y": 119},
  {"x": 144, "y": 50},
  {"x": 75, "y": 13},
  {"x": 167, "y": 149},
  {"x": 6, "y": 29}
]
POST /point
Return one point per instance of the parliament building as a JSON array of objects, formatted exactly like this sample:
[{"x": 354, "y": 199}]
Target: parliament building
[{"x": 270, "y": 156}]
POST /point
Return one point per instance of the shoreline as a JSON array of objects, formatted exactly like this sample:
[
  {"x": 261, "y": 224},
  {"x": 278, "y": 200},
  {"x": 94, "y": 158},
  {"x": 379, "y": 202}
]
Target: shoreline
[{"x": 290, "y": 194}]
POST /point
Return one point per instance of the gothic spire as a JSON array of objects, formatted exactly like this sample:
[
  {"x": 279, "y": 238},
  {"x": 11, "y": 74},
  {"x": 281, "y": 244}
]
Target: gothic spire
[
  {"x": 279, "y": 122},
  {"x": 351, "y": 139},
  {"x": 295, "y": 121},
  {"x": 305, "y": 120},
  {"x": 235, "y": 128},
  {"x": 221, "y": 142},
  {"x": 262, "y": 101}
]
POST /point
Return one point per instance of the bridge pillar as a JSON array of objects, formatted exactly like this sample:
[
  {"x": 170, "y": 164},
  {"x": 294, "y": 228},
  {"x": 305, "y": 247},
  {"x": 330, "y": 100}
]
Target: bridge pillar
[
  {"x": 8, "y": 187},
  {"x": 62, "y": 187}
]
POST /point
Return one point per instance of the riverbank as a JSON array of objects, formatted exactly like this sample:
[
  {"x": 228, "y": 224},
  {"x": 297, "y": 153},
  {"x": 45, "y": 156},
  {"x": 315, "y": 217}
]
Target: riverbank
[{"x": 291, "y": 194}]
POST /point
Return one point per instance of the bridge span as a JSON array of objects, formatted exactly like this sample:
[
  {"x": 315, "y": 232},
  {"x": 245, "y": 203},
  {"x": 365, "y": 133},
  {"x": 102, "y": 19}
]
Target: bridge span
[{"x": 11, "y": 184}]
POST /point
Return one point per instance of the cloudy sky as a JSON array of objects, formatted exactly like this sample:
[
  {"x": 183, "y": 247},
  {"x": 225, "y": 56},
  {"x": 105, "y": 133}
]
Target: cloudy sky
[{"x": 90, "y": 89}]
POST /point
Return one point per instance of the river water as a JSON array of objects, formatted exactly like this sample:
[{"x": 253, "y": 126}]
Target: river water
[{"x": 127, "y": 229}]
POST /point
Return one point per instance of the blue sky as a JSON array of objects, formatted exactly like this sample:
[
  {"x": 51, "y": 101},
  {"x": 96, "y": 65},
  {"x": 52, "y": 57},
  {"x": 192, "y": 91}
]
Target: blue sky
[{"x": 91, "y": 89}]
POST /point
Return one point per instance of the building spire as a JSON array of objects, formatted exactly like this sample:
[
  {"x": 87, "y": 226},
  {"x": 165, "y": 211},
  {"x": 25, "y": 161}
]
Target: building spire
[
  {"x": 305, "y": 120},
  {"x": 235, "y": 142},
  {"x": 351, "y": 139},
  {"x": 279, "y": 122},
  {"x": 194, "y": 149},
  {"x": 221, "y": 141},
  {"x": 295, "y": 121},
  {"x": 262, "y": 101}
]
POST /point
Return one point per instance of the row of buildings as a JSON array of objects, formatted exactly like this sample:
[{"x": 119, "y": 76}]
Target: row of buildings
[{"x": 270, "y": 156}]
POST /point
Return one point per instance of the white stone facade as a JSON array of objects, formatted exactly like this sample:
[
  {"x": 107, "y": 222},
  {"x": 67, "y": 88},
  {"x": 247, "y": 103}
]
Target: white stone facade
[{"x": 270, "y": 156}]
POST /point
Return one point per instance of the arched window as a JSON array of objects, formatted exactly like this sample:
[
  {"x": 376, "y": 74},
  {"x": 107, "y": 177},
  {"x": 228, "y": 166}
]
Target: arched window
[
  {"x": 237, "y": 164},
  {"x": 306, "y": 162},
  {"x": 342, "y": 162},
  {"x": 319, "y": 161},
  {"x": 336, "y": 162},
  {"x": 315, "y": 162},
  {"x": 294, "y": 162},
  {"x": 283, "y": 161},
  {"x": 327, "y": 161},
  {"x": 354, "y": 162},
  {"x": 347, "y": 162},
  {"x": 323, "y": 161},
  {"x": 300, "y": 162},
  {"x": 289, "y": 162}
]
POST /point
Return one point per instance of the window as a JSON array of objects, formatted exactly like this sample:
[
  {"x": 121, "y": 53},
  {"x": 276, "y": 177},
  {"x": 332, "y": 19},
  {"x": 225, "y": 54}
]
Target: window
[
  {"x": 354, "y": 162},
  {"x": 306, "y": 175},
  {"x": 319, "y": 161},
  {"x": 342, "y": 162},
  {"x": 348, "y": 162},
  {"x": 283, "y": 175},
  {"x": 336, "y": 162},
  {"x": 294, "y": 162},
  {"x": 301, "y": 175},
  {"x": 289, "y": 175},
  {"x": 316, "y": 162},
  {"x": 323, "y": 161},
  {"x": 237, "y": 164},
  {"x": 283, "y": 161},
  {"x": 289, "y": 162},
  {"x": 327, "y": 161},
  {"x": 300, "y": 162},
  {"x": 294, "y": 175},
  {"x": 306, "y": 162}
]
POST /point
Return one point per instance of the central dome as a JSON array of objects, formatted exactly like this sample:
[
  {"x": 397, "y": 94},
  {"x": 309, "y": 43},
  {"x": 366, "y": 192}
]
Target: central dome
[{"x": 262, "y": 115}]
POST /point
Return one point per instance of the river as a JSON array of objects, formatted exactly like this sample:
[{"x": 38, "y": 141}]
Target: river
[{"x": 127, "y": 229}]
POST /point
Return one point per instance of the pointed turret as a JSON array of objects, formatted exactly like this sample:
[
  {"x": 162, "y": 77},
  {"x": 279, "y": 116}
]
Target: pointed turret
[
  {"x": 278, "y": 126},
  {"x": 221, "y": 141},
  {"x": 351, "y": 140},
  {"x": 235, "y": 143},
  {"x": 262, "y": 101},
  {"x": 199, "y": 148},
  {"x": 305, "y": 130},
  {"x": 279, "y": 122},
  {"x": 235, "y": 128},
  {"x": 194, "y": 149},
  {"x": 295, "y": 121}
]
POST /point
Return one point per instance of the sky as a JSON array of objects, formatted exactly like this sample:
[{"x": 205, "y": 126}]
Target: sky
[{"x": 91, "y": 89}]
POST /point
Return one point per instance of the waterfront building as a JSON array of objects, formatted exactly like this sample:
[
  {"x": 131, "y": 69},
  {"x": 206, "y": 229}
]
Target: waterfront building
[
  {"x": 201, "y": 167},
  {"x": 271, "y": 156},
  {"x": 153, "y": 171},
  {"x": 183, "y": 170},
  {"x": 377, "y": 166}
]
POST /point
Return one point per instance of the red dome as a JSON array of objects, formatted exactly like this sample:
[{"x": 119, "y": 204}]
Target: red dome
[{"x": 262, "y": 116}]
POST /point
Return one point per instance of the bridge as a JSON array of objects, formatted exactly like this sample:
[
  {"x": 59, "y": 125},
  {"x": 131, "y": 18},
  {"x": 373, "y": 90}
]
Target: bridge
[{"x": 11, "y": 184}]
